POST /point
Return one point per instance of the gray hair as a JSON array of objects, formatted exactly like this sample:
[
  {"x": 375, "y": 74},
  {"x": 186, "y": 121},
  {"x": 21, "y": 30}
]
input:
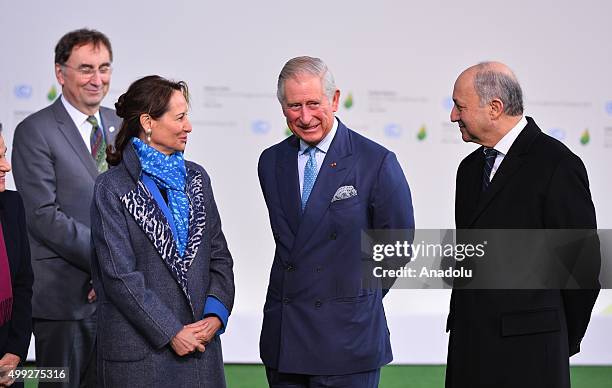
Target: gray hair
[
  {"x": 306, "y": 65},
  {"x": 491, "y": 83}
]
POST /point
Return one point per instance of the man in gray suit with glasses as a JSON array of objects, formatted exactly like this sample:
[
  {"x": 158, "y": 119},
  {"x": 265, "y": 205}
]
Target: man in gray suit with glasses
[{"x": 57, "y": 154}]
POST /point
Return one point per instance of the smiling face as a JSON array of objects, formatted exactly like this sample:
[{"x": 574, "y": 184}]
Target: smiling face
[
  {"x": 85, "y": 77},
  {"x": 473, "y": 119},
  {"x": 309, "y": 113},
  {"x": 169, "y": 132},
  {"x": 5, "y": 166}
]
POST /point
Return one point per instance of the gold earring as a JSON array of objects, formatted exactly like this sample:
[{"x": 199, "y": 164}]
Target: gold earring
[{"x": 148, "y": 133}]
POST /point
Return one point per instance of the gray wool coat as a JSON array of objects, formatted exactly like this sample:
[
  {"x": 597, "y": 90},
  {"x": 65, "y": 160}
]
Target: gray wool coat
[{"x": 143, "y": 300}]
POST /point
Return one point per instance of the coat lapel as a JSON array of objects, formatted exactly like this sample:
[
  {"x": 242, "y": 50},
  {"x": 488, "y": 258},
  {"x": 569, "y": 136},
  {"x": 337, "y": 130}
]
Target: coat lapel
[
  {"x": 469, "y": 188},
  {"x": 337, "y": 163},
  {"x": 288, "y": 182},
  {"x": 509, "y": 166},
  {"x": 73, "y": 136},
  {"x": 197, "y": 216},
  {"x": 141, "y": 205}
]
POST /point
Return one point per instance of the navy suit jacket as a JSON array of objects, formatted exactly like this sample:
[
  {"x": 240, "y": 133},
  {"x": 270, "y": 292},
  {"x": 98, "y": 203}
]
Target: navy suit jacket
[{"x": 318, "y": 318}]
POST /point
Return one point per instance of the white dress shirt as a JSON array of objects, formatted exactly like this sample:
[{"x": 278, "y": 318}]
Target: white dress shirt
[
  {"x": 322, "y": 149},
  {"x": 80, "y": 120},
  {"x": 503, "y": 146}
]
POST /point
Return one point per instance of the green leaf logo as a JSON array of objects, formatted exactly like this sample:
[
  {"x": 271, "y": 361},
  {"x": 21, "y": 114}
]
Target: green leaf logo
[
  {"x": 52, "y": 95},
  {"x": 348, "y": 102},
  {"x": 288, "y": 132},
  {"x": 422, "y": 134},
  {"x": 585, "y": 138}
]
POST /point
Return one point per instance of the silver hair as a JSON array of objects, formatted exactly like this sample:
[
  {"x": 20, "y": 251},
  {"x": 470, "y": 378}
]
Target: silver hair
[
  {"x": 490, "y": 84},
  {"x": 306, "y": 65}
]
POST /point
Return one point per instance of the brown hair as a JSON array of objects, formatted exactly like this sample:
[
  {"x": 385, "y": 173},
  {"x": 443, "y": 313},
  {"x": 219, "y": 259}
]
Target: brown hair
[
  {"x": 149, "y": 95},
  {"x": 77, "y": 38}
]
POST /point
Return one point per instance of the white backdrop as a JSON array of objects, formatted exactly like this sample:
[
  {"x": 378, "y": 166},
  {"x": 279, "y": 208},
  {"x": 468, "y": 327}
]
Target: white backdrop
[{"x": 398, "y": 62}]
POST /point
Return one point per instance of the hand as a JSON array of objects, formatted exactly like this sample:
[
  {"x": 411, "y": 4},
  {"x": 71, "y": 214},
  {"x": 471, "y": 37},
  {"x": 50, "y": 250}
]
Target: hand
[
  {"x": 91, "y": 297},
  {"x": 186, "y": 341},
  {"x": 7, "y": 363},
  {"x": 213, "y": 325}
]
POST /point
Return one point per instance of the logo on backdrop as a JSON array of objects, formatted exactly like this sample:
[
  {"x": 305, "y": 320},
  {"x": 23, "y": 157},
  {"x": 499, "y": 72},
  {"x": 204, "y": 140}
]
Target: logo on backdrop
[
  {"x": 348, "y": 101},
  {"x": 609, "y": 107},
  {"x": 448, "y": 103},
  {"x": 422, "y": 134},
  {"x": 392, "y": 131},
  {"x": 260, "y": 127},
  {"x": 557, "y": 133},
  {"x": 585, "y": 138},
  {"x": 23, "y": 91},
  {"x": 52, "y": 93}
]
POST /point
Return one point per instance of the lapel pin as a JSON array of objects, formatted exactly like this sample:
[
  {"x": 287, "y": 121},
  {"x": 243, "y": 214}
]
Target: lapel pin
[{"x": 332, "y": 164}]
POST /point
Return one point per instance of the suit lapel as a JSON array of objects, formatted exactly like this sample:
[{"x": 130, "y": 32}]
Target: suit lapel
[
  {"x": 73, "y": 136},
  {"x": 337, "y": 163},
  {"x": 288, "y": 183},
  {"x": 107, "y": 125},
  {"x": 510, "y": 165}
]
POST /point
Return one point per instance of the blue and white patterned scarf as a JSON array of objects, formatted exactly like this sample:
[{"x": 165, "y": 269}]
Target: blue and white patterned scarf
[{"x": 168, "y": 173}]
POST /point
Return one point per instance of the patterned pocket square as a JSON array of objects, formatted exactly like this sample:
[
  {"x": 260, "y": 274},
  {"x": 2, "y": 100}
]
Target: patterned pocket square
[{"x": 344, "y": 192}]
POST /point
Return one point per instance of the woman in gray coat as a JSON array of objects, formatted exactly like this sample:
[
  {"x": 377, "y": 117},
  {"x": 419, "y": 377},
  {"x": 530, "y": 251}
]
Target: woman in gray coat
[{"x": 162, "y": 272}]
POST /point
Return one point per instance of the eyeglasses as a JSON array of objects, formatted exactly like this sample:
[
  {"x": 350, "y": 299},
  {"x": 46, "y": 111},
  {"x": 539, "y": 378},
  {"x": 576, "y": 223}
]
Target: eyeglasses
[{"x": 87, "y": 71}]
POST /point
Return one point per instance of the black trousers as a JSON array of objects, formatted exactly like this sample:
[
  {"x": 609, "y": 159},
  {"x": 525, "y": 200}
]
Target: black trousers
[{"x": 70, "y": 344}]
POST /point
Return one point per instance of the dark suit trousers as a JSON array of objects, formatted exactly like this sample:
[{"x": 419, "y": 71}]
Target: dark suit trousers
[
  {"x": 69, "y": 344},
  {"x": 368, "y": 379}
]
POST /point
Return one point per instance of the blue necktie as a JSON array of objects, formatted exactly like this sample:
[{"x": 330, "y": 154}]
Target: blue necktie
[
  {"x": 310, "y": 175},
  {"x": 490, "y": 155}
]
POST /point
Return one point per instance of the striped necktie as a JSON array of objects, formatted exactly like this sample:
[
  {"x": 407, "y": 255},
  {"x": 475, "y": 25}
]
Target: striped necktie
[
  {"x": 490, "y": 155},
  {"x": 98, "y": 144},
  {"x": 310, "y": 174}
]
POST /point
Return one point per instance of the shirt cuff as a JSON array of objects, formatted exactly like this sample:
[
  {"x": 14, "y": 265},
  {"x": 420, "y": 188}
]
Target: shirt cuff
[{"x": 213, "y": 306}]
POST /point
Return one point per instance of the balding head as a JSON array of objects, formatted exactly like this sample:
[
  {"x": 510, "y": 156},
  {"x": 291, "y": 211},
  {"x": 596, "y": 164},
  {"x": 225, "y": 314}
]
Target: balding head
[
  {"x": 495, "y": 80},
  {"x": 488, "y": 102}
]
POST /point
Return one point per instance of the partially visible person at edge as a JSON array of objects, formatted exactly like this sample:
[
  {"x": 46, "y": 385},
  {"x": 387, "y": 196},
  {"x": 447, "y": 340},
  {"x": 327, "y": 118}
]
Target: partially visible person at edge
[
  {"x": 162, "y": 270},
  {"x": 520, "y": 178},
  {"x": 15, "y": 278}
]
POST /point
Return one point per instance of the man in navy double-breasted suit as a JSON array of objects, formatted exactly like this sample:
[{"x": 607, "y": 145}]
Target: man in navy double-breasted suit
[{"x": 323, "y": 186}]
